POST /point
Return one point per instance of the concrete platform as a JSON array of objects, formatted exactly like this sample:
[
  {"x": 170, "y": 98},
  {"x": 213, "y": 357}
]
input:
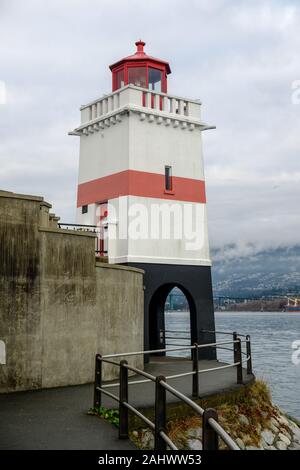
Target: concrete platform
[
  {"x": 57, "y": 418},
  {"x": 143, "y": 395}
]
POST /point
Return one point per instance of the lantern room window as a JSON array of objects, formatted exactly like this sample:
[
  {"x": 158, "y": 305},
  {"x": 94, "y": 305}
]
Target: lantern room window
[
  {"x": 141, "y": 70},
  {"x": 155, "y": 79},
  {"x": 137, "y": 76},
  {"x": 120, "y": 79}
]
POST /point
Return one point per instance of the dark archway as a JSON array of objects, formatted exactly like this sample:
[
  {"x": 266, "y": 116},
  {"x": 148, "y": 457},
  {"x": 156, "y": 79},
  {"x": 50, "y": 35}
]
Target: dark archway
[{"x": 157, "y": 315}]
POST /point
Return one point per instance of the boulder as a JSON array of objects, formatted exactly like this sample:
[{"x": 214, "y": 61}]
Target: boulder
[
  {"x": 284, "y": 438},
  {"x": 240, "y": 443},
  {"x": 194, "y": 444},
  {"x": 243, "y": 420},
  {"x": 280, "y": 445},
  {"x": 268, "y": 436}
]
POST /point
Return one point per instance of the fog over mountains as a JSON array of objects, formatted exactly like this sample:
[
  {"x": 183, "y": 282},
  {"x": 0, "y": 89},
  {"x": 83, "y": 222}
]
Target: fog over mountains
[{"x": 274, "y": 271}]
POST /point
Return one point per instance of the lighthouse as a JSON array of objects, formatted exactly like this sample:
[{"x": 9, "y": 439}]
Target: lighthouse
[{"x": 141, "y": 182}]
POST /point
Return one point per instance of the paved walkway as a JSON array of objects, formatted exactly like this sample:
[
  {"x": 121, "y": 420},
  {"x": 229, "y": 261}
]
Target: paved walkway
[{"x": 57, "y": 418}]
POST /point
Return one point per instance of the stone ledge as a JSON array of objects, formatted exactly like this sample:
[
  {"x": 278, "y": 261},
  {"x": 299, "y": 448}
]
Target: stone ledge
[
  {"x": 119, "y": 266},
  {"x": 26, "y": 197},
  {"x": 67, "y": 232}
]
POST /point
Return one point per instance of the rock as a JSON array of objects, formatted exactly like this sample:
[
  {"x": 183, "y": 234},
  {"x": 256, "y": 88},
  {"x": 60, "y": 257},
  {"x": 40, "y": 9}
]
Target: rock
[
  {"x": 147, "y": 440},
  {"x": 135, "y": 433},
  {"x": 240, "y": 443},
  {"x": 293, "y": 426},
  {"x": 194, "y": 444},
  {"x": 275, "y": 423},
  {"x": 286, "y": 433},
  {"x": 280, "y": 445},
  {"x": 252, "y": 448},
  {"x": 284, "y": 438},
  {"x": 195, "y": 433},
  {"x": 294, "y": 446},
  {"x": 269, "y": 447},
  {"x": 273, "y": 428},
  {"x": 244, "y": 420},
  {"x": 282, "y": 420},
  {"x": 296, "y": 432},
  {"x": 268, "y": 436}
]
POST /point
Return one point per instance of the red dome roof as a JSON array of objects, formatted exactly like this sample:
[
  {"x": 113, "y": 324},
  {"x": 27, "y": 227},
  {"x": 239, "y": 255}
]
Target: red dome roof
[{"x": 140, "y": 55}]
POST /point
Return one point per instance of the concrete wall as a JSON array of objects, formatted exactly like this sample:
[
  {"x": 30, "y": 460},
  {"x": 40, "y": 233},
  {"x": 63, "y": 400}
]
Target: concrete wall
[{"x": 58, "y": 307}]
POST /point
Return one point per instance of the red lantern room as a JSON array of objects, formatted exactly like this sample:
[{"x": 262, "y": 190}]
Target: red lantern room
[{"x": 141, "y": 70}]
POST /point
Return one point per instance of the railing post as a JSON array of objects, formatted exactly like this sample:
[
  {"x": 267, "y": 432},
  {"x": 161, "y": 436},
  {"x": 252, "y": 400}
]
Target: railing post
[
  {"x": 123, "y": 396},
  {"x": 160, "y": 414},
  {"x": 209, "y": 436},
  {"x": 234, "y": 337},
  {"x": 196, "y": 371},
  {"x": 98, "y": 380},
  {"x": 239, "y": 367},
  {"x": 249, "y": 361}
]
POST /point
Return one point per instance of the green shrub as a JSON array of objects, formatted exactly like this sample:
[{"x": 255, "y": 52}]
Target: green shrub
[{"x": 111, "y": 415}]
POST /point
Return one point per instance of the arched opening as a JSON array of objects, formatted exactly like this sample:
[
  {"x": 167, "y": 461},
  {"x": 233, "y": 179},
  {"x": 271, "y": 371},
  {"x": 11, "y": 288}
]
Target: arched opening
[
  {"x": 177, "y": 322},
  {"x": 172, "y": 316}
]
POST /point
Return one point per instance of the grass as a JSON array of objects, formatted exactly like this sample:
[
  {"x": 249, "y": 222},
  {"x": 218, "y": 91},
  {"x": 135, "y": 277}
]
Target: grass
[{"x": 253, "y": 401}]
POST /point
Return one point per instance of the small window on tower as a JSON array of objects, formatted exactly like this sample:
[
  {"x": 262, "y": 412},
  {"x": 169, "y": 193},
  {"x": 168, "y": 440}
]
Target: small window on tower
[
  {"x": 168, "y": 178},
  {"x": 84, "y": 209}
]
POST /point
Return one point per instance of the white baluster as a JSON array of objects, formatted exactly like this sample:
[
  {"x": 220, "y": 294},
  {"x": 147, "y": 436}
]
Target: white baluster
[
  {"x": 148, "y": 99},
  {"x": 110, "y": 104},
  {"x": 156, "y": 101},
  {"x": 99, "y": 108},
  {"x": 180, "y": 107},
  {"x": 172, "y": 105},
  {"x": 186, "y": 108},
  {"x": 104, "y": 106},
  {"x": 116, "y": 100},
  {"x": 165, "y": 104},
  {"x": 94, "y": 112}
]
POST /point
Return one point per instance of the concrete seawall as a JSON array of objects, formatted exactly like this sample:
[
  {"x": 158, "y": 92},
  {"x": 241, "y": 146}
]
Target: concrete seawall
[{"x": 58, "y": 305}]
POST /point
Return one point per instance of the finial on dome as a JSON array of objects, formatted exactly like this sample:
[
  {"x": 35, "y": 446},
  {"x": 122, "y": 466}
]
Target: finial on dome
[{"x": 140, "y": 46}]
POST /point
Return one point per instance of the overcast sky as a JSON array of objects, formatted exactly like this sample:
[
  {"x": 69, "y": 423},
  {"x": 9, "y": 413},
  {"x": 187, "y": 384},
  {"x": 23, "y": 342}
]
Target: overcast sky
[{"x": 240, "y": 58}]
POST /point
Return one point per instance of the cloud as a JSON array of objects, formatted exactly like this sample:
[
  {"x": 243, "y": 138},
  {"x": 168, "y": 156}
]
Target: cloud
[{"x": 239, "y": 58}]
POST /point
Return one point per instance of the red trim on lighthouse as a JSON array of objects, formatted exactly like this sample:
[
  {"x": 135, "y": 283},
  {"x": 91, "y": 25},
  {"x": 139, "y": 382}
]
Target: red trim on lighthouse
[{"x": 140, "y": 183}]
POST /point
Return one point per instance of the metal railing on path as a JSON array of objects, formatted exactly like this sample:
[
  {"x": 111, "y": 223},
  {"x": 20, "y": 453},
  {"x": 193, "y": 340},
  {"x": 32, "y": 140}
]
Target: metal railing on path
[{"x": 211, "y": 429}]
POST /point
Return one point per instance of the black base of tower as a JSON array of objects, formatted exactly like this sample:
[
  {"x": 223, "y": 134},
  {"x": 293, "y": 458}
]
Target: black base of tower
[{"x": 195, "y": 283}]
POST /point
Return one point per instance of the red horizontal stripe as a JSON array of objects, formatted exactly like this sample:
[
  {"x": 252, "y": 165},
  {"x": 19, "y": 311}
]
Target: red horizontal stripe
[{"x": 140, "y": 183}]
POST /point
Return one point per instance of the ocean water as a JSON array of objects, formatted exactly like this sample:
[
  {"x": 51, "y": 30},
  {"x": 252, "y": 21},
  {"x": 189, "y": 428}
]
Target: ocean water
[{"x": 272, "y": 335}]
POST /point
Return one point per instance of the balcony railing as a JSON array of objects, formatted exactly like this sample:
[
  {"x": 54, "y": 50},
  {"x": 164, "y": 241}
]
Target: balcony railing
[
  {"x": 108, "y": 109},
  {"x": 100, "y": 249}
]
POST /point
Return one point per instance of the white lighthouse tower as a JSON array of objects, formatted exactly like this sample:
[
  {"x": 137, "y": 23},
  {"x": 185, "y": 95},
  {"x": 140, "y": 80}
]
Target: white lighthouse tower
[{"x": 141, "y": 180}]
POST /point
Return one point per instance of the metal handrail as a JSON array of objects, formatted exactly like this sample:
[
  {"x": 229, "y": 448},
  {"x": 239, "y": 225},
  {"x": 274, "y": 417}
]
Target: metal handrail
[
  {"x": 161, "y": 438},
  {"x": 182, "y": 397},
  {"x": 223, "y": 434},
  {"x": 168, "y": 440},
  {"x": 176, "y": 337},
  {"x": 140, "y": 415},
  {"x": 152, "y": 351}
]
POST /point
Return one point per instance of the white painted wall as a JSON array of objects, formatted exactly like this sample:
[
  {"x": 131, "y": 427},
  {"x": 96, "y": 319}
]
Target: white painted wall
[
  {"x": 145, "y": 144},
  {"x": 150, "y": 250},
  {"x": 152, "y": 146},
  {"x": 104, "y": 152}
]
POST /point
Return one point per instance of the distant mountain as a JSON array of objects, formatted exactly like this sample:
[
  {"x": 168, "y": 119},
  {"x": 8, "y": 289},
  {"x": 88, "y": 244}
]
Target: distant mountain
[{"x": 255, "y": 274}]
